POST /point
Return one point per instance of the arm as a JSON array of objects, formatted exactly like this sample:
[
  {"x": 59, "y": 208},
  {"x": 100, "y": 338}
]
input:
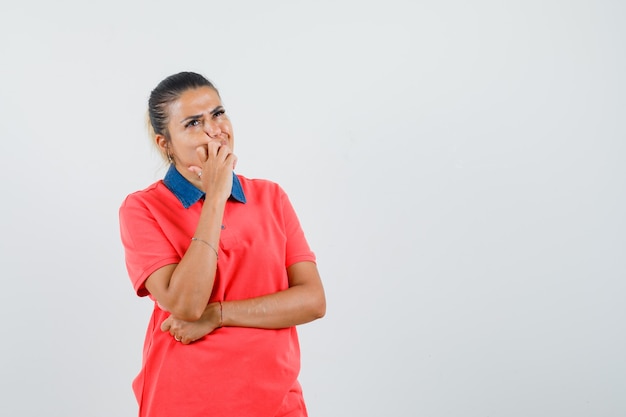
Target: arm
[
  {"x": 302, "y": 302},
  {"x": 184, "y": 289}
]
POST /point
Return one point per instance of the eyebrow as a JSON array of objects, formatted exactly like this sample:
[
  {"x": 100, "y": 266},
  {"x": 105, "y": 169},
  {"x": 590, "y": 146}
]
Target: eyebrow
[{"x": 198, "y": 116}]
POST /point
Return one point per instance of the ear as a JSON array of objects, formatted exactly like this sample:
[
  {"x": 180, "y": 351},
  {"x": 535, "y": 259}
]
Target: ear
[
  {"x": 161, "y": 142},
  {"x": 163, "y": 146}
]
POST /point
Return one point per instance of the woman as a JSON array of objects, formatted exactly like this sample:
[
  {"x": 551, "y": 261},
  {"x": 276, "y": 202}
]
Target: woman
[{"x": 226, "y": 262}]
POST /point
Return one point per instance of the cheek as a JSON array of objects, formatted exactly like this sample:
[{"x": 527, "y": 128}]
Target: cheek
[
  {"x": 226, "y": 127},
  {"x": 186, "y": 150}
]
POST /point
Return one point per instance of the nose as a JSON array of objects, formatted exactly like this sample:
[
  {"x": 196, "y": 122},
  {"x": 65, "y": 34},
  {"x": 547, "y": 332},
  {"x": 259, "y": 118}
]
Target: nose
[{"x": 212, "y": 128}]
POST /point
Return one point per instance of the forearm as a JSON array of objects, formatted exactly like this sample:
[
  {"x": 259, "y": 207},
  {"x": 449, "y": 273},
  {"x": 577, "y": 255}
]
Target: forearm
[
  {"x": 191, "y": 282},
  {"x": 293, "y": 306},
  {"x": 302, "y": 302},
  {"x": 296, "y": 305}
]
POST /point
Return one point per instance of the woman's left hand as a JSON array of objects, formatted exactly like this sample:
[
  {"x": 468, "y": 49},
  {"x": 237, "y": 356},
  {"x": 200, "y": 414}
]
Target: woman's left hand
[{"x": 187, "y": 332}]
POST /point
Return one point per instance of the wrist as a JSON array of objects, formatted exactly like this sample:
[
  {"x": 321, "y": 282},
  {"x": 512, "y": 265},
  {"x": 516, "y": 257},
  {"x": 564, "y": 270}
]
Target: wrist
[
  {"x": 214, "y": 201},
  {"x": 221, "y": 315},
  {"x": 214, "y": 314}
]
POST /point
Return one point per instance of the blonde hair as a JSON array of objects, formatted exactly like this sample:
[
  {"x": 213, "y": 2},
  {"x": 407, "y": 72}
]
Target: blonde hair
[{"x": 152, "y": 137}]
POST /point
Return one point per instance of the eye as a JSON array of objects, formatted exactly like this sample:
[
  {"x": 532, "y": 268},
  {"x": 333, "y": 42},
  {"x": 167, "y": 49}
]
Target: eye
[
  {"x": 219, "y": 113},
  {"x": 192, "y": 123}
]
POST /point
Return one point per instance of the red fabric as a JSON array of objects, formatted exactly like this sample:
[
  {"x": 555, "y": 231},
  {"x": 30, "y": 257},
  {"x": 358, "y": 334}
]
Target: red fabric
[{"x": 232, "y": 371}]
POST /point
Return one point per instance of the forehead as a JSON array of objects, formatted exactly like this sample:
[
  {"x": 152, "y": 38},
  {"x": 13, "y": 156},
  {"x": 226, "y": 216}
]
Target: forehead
[{"x": 194, "y": 102}]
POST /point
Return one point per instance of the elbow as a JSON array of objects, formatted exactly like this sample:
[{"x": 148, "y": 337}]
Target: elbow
[
  {"x": 311, "y": 308},
  {"x": 321, "y": 311},
  {"x": 318, "y": 314},
  {"x": 186, "y": 312},
  {"x": 318, "y": 309},
  {"x": 190, "y": 316}
]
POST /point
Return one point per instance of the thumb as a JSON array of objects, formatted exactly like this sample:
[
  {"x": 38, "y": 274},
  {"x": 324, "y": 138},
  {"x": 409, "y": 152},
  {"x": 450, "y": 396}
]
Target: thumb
[{"x": 167, "y": 323}]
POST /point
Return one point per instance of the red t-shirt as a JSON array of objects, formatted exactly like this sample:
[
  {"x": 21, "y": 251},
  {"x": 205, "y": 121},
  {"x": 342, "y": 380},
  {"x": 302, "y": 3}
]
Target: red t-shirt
[{"x": 233, "y": 371}]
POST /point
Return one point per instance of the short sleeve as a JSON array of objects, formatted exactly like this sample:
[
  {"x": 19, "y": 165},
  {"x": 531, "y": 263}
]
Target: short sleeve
[
  {"x": 146, "y": 247},
  {"x": 297, "y": 249}
]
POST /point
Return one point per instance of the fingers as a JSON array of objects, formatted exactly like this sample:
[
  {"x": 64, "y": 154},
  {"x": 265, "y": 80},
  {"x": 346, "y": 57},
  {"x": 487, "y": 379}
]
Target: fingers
[
  {"x": 174, "y": 333},
  {"x": 174, "y": 329},
  {"x": 185, "y": 340},
  {"x": 214, "y": 150},
  {"x": 219, "y": 149},
  {"x": 167, "y": 324},
  {"x": 196, "y": 170},
  {"x": 213, "y": 147},
  {"x": 202, "y": 152}
]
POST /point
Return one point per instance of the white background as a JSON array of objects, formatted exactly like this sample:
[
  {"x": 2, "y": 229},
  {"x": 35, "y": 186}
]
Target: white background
[{"x": 458, "y": 168}]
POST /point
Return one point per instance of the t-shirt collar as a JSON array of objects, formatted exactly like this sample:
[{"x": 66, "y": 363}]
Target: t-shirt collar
[{"x": 188, "y": 194}]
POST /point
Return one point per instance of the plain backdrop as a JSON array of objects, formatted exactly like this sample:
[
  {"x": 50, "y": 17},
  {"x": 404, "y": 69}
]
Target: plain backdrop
[{"x": 458, "y": 168}]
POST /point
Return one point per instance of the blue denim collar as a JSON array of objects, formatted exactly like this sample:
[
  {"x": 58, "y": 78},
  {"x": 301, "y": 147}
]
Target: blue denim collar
[{"x": 188, "y": 194}]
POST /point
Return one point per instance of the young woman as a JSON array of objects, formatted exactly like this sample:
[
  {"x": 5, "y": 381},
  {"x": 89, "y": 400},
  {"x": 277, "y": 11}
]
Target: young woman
[{"x": 227, "y": 264}]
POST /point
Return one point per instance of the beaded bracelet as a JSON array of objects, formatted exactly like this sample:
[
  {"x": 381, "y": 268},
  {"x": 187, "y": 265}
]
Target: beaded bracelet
[{"x": 208, "y": 244}]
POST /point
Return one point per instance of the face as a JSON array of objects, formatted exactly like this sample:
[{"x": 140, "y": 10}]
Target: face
[{"x": 195, "y": 119}]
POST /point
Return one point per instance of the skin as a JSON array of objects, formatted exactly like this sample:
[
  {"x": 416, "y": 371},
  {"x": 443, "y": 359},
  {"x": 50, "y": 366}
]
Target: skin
[{"x": 201, "y": 144}]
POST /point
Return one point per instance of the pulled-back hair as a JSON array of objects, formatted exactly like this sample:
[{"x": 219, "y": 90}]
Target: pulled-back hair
[{"x": 168, "y": 91}]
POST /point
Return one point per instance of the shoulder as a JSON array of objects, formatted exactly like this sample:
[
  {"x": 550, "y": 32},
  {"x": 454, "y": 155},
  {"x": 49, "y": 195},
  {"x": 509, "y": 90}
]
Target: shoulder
[
  {"x": 146, "y": 197},
  {"x": 259, "y": 186}
]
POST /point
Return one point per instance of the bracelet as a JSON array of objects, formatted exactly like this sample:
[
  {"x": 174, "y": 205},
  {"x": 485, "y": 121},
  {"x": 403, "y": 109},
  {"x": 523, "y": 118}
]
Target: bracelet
[
  {"x": 221, "y": 316},
  {"x": 208, "y": 244}
]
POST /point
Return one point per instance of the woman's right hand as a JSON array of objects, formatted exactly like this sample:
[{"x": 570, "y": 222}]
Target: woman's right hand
[{"x": 216, "y": 171}]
